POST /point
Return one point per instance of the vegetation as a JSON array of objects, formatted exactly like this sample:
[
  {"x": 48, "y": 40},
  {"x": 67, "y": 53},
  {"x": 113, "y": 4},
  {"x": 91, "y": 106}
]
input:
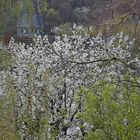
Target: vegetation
[
  {"x": 84, "y": 84},
  {"x": 113, "y": 112},
  {"x": 59, "y": 91}
]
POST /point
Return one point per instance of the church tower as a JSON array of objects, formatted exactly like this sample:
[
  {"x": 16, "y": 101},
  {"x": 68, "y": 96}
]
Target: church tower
[{"x": 27, "y": 27}]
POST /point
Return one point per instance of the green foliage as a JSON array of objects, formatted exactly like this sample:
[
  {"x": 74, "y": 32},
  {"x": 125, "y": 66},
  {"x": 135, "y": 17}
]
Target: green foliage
[
  {"x": 8, "y": 120},
  {"x": 6, "y": 60},
  {"x": 66, "y": 28},
  {"x": 113, "y": 114},
  {"x": 52, "y": 16}
]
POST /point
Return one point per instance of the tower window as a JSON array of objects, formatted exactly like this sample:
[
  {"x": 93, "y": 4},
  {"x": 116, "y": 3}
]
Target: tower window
[{"x": 24, "y": 31}]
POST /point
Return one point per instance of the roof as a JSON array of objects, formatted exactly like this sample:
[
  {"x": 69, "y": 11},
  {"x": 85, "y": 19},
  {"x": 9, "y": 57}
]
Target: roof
[{"x": 23, "y": 20}]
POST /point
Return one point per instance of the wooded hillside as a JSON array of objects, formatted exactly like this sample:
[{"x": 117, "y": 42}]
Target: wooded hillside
[{"x": 86, "y": 12}]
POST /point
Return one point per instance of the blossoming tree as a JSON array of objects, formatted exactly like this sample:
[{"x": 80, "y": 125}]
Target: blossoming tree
[{"x": 46, "y": 78}]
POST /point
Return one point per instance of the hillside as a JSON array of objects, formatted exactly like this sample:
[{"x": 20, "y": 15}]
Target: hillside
[{"x": 85, "y": 12}]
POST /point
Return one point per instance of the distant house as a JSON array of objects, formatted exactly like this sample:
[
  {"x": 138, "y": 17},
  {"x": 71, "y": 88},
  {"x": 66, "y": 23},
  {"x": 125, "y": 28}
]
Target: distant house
[{"x": 27, "y": 27}]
